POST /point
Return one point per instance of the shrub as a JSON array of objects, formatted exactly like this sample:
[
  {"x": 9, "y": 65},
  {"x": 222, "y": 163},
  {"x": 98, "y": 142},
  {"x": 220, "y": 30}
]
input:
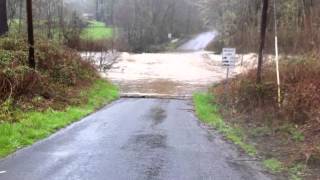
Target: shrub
[
  {"x": 300, "y": 100},
  {"x": 58, "y": 70}
]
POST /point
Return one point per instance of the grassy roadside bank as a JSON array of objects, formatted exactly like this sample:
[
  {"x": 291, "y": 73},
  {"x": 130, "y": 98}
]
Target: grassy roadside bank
[
  {"x": 34, "y": 126},
  {"x": 208, "y": 112},
  {"x": 285, "y": 138}
]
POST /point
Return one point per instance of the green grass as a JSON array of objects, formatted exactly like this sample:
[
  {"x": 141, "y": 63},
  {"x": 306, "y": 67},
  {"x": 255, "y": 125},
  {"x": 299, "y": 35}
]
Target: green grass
[
  {"x": 295, "y": 133},
  {"x": 97, "y": 31},
  {"x": 273, "y": 165},
  {"x": 38, "y": 125},
  {"x": 207, "y": 112},
  {"x": 296, "y": 171}
]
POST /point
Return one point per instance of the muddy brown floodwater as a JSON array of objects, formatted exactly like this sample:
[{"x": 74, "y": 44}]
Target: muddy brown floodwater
[{"x": 174, "y": 74}]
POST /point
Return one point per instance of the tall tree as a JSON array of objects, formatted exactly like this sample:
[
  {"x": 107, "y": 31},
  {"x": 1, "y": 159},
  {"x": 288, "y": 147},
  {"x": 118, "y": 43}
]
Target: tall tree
[
  {"x": 264, "y": 19},
  {"x": 32, "y": 63},
  {"x": 20, "y": 14},
  {"x": 3, "y": 17}
]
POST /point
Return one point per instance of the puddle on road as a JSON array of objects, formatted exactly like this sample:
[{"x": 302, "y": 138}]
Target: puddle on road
[
  {"x": 151, "y": 141},
  {"x": 157, "y": 115},
  {"x": 146, "y": 142},
  {"x": 153, "y": 171},
  {"x": 148, "y": 150}
]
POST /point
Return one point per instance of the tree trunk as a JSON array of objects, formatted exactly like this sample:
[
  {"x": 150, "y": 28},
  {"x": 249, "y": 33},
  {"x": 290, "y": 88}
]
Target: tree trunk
[
  {"x": 20, "y": 15},
  {"x": 97, "y": 10},
  {"x": 32, "y": 63},
  {"x": 112, "y": 12},
  {"x": 3, "y": 17},
  {"x": 61, "y": 20},
  {"x": 307, "y": 6},
  {"x": 264, "y": 19}
]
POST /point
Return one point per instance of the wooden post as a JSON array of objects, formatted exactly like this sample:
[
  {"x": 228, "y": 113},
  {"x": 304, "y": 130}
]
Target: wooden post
[
  {"x": 3, "y": 17},
  {"x": 32, "y": 63},
  {"x": 264, "y": 18},
  {"x": 277, "y": 53}
]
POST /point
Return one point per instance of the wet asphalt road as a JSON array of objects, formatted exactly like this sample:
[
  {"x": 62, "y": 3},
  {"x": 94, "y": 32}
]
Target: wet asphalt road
[
  {"x": 200, "y": 42},
  {"x": 138, "y": 139}
]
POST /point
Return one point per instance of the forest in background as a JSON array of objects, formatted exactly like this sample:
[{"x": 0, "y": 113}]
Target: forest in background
[
  {"x": 137, "y": 27},
  {"x": 142, "y": 23},
  {"x": 238, "y": 22}
]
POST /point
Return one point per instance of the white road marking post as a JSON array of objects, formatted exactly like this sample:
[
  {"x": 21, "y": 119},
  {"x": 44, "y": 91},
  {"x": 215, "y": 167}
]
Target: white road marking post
[
  {"x": 228, "y": 61},
  {"x": 277, "y": 54}
]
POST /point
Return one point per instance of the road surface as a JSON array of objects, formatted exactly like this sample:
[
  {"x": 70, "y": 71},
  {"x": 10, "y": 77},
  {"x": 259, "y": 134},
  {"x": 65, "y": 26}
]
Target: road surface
[
  {"x": 140, "y": 139},
  {"x": 199, "y": 43}
]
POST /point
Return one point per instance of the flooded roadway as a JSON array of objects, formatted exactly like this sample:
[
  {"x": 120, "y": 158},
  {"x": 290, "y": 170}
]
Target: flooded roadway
[
  {"x": 164, "y": 73},
  {"x": 141, "y": 139},
  {"x": 171, "y": 74}
]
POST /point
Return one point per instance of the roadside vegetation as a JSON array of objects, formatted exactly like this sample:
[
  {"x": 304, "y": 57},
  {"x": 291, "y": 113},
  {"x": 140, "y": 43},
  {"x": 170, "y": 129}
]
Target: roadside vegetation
[
  {"x": 208, "y": 112},
  {"x": 287, "y": 137},
  {"x": 37, "y": 102}
]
